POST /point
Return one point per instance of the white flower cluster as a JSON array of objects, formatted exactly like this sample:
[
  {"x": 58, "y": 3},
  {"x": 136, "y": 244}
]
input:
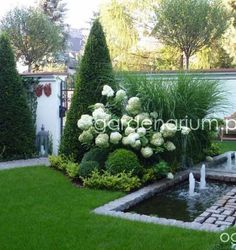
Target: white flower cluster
[
  {"x": 134, "y": 106},
  {"x": 185, "y": 130},
  {"x": 85, "y": 122},
  {"x": 168, "y": 130},
  {"x": 107, "y": 91},
  {"x": 133, "y": 130}
]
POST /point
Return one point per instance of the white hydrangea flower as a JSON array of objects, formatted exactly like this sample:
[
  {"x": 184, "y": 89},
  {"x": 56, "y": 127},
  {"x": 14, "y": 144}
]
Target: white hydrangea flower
[
  {"x": 154, "y": 114},
  {"x": 185, "y": 130},
  {"x": 100, "y": 114},
  {"x": 99, "y": 105},
  {"x": 170, "y": 176},
  {"x": 85, "y": 122},
  {"x": 137, "y": 144},
  {"x": 102, "y": 140},
  {"x": 169, "y": 146},
  {"x": 125, "y": 120},
  {"x": 142, "y": 116},
  {"x": 129, "y": 130},
  {"x": 86, "y": 137},
  {"x": 147, "y": 152},
  {"x": 168, "y": 129},
  {"x": 107, "y": 91},
  {"x": 125, "y": 141},
  {"x": 134, "y": 105},
  {"x": 120, "y": 95},
  {"x": 132, "y": 138},
  {"x": 115, "y": 137},
  {"x": 141, "y": 131},
  {"x": 157, "y": 139}
]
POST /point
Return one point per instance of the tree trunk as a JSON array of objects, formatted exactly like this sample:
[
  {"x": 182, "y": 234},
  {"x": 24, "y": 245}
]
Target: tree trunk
[
  {"x": 187, "y": 62},
  {"x": 181, "y": 61},
  {"x": 187, "y": 57},
  {"x": 29, "y": 67}
]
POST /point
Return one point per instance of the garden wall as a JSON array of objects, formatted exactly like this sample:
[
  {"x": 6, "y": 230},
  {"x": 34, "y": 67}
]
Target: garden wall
[{"x": 48, "y": 106}]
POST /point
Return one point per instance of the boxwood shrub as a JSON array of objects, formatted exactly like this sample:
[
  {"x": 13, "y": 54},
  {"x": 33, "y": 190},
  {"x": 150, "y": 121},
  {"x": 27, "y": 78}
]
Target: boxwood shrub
[
  {"x": 87, "y": 167},
  {"x": 96, "y": 154},
  {"x": 123, "y": 160}
]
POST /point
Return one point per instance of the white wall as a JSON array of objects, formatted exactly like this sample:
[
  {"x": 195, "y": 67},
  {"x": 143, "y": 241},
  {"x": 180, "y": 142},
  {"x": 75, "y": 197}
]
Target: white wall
[{"x": 48, "y": 108}]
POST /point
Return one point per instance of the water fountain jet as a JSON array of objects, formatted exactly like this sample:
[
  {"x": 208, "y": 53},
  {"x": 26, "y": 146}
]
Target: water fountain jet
[
  {"x": 191, "y": 184},
  {"x": 203, "y": 177}
]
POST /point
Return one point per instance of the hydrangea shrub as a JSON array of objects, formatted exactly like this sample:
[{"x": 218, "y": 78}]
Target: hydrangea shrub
[{"x": 134, "y": 129}]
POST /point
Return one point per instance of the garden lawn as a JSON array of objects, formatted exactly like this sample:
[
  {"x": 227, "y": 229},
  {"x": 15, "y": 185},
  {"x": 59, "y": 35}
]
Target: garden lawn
[
  {"x": 227, "y": 146},
  {"x": 41, "y": 209}
]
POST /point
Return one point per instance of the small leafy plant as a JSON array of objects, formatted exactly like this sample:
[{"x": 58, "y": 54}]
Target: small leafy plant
[{"x": 120, "y": 182}]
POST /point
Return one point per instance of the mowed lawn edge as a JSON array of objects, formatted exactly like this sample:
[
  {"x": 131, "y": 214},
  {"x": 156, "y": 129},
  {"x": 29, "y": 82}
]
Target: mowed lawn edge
[{"x": 42, "y": 209}]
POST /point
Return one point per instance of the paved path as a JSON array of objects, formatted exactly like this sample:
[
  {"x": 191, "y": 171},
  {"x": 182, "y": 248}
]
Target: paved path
[{"x": 24, "y": 163}]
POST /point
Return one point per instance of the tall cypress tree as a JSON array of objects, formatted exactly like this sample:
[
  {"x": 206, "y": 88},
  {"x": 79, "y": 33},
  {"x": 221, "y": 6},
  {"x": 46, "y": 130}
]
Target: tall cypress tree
[
  {"x": 17, "y": 134},
  {"x": 95, "y": 71}
]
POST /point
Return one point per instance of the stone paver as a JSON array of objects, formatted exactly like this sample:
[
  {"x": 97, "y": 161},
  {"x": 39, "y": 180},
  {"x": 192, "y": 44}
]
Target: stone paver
[
  {"x": 224, "y": 213},
  {"x": 24, "y": 163}
]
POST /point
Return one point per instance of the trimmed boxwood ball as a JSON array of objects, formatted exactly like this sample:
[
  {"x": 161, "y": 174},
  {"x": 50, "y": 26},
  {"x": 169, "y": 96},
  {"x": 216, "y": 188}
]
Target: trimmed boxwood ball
[
  {"x": 123, "y": 160},
  {"x": 96, "y": 154},
  {"x": 87, "y": 167}
]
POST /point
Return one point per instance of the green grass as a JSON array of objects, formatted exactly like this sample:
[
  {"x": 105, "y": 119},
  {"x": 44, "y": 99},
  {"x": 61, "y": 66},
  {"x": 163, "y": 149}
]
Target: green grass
[
  {"x": 41, "y": 209},
  {"x": 227, "y": 146}
]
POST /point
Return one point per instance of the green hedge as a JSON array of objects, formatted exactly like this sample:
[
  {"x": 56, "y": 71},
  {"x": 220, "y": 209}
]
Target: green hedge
[{"x": 17, "y": 133}]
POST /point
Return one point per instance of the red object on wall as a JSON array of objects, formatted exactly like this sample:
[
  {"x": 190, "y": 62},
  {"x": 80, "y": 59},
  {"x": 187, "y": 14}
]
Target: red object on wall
[
  {"x": 39, "y": 90},
  {"x": 47, "y": 89}
]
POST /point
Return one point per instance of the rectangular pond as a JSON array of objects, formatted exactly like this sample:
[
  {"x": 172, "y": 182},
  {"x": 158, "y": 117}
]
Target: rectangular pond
[{"x": 175, "y": 203}]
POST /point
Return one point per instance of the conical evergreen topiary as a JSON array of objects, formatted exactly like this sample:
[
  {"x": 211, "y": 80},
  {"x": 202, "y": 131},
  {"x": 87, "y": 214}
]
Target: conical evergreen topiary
[
  {"x": 94, "y": 72},
  {"x": 17, "y": 134}
]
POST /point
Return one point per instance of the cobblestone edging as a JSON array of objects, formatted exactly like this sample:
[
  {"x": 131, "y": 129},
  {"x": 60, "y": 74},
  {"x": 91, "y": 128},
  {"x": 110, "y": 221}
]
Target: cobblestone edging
[
  {"x": 24, "y": 163},
  {"x": 222, "y": 213},
  {"x": 216, "y": 218}
]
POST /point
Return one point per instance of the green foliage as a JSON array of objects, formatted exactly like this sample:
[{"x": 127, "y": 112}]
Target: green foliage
[
  {"x": 189, "y": 24},
  {"x": 16, "y": 126},
  {"x": 161, "y": 169},
  {"x": 94, "y": 72},
  {"x": 61, "y": 163},
  {"x": 122, "y": 160},
  {"x": 213, "y": 150},
  {"x": 32, "y": 34},
  {"x": 149, "y": 175},
  {"x": 57, "y": 162},
  {"x": 119, "y": 26},
  {"x": 72, "y": 169},
  {"x": 87, "y": 167},
  {"x": 96, "y": 154},
  {"x": 29, "y": 84},
  {"x": 120, "y": 182}
]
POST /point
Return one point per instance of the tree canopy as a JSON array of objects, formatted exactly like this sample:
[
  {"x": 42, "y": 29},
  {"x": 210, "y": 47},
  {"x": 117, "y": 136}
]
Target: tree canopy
[
  {"x": 33, "y": 35},
  {"x": 190, "y": 25}
]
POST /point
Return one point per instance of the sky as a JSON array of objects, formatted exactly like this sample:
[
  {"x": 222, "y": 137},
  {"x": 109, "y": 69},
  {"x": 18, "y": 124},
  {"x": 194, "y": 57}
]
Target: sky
[{"x": 78, "y": 14}]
